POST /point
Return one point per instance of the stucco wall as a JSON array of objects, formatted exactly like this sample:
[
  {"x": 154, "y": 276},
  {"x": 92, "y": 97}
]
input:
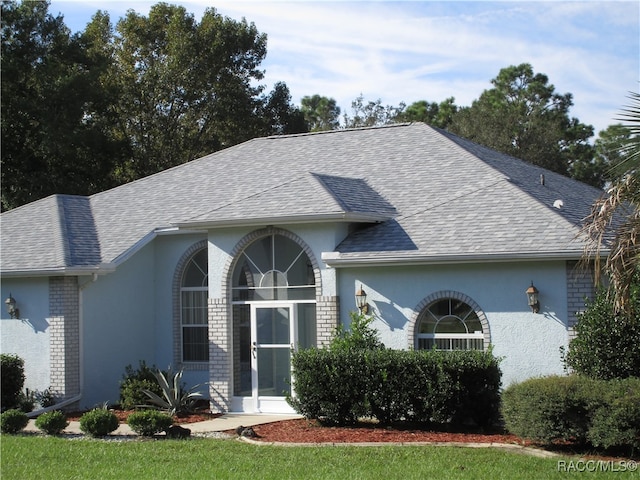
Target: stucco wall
[
  {"x": 28, "y": 336},
  {"x": 529, "y": 343},
  {"x": 118, "y": 326}
]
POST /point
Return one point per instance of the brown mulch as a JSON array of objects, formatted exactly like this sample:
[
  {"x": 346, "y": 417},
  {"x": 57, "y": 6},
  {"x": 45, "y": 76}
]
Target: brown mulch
[{"x": 311, "y": 431}]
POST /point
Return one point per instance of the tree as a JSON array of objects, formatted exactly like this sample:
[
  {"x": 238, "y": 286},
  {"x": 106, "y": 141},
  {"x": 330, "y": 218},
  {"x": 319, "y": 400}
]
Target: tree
[
  {"x": 51, "y": 142},
  {"x": 434, "y": 114},
  {"x": 280, "y": 115},
  {"x": 614, "y": 222},
  {"x": 320, "y": 113},
  {"x": 371, "y": 114},
  {"x": 186, "y": 88},
  {"x": 523, "y": 116}
]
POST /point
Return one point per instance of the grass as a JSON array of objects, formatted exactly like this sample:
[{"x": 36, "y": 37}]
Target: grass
[{"x": 37, "y": 457}]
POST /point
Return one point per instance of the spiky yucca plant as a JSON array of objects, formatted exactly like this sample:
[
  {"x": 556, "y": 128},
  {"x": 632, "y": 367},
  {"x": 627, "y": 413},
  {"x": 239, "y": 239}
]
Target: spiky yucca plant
[{"x": 175, "y": 399}]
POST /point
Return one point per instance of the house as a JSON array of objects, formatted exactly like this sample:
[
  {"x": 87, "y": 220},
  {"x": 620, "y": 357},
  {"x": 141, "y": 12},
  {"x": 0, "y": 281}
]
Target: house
[{"x": 222, "y": 265}]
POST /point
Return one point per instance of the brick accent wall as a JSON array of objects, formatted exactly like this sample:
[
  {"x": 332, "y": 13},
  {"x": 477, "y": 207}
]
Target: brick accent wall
[
  {"x": 64, "y": 324},
  {"x": 579, "y": 288},
  {"x": 327, "y": 311},
  {"x": 219, "y": 355}
]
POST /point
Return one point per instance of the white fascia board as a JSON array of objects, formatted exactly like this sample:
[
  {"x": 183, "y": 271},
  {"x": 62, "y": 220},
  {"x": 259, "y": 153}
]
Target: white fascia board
[
  {"x": 284, "y": 219},
  {"x": 77, "y": 271},
  {"x": 333, "y": 259}
]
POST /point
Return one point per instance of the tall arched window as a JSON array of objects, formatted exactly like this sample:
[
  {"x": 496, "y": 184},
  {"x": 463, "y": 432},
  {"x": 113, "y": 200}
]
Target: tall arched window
[
  {"x": 193, "y": 309},
  {"x": 450, "y": 324}
]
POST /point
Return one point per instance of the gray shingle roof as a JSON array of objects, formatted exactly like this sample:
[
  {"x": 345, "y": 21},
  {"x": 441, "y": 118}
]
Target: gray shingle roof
[{"x": 423, "y": 193}]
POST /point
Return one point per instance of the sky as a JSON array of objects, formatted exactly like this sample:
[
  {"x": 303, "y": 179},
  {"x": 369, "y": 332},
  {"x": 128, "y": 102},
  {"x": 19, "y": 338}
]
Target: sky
[{"x": 429, "y": 50}]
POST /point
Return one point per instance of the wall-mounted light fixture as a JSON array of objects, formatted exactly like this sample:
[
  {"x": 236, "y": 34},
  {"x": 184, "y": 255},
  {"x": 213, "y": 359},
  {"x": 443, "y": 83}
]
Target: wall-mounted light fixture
[
  {"x": 361, "y": 300},
  {"x": 532, "y": 298},
  {"x": 12, "y": 310}
]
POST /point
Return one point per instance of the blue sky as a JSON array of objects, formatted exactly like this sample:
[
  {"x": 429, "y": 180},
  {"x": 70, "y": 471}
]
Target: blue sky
[{"x": 428, "y": 50}]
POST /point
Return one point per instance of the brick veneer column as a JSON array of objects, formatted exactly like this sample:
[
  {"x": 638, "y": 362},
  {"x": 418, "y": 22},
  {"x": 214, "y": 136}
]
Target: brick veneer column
[
  {"x": 579, "y": 289},
  {"x": 219, "y": 357},
  {"x": 327, "y": 309},
  {"x": 64, "y": 324}
]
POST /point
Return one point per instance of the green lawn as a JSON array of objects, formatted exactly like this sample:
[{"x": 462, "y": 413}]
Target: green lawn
[{"x": 40, "y": 457}]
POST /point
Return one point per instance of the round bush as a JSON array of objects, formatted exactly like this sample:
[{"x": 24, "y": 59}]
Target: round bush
[
  {"x": 52, "y": 423},
  {"x": 12, "y": 421},
  {"x": 149, "y": 422},
  {"x": 550, "y": 408},
  {"x": 98, "y": 422}
]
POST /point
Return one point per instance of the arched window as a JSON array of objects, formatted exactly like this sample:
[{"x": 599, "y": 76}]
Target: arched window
[
  {"x": 450, "y": 324},
  {"x": 273, "y": 268},
  {"x": 193, "y": 309}
]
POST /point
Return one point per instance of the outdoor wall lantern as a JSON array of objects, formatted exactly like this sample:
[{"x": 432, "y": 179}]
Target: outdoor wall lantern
[
  {"x": 532, "y": 298},
  {"x": 12, "y": 310},
  {"x": 361, "y": 300}
]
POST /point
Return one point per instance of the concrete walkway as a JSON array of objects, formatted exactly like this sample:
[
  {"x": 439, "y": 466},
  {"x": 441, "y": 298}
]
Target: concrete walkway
[{"x": 228, "y": 421}]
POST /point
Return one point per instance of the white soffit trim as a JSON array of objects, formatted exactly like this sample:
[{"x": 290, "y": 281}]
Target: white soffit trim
[{"x": 334, "y": 259}]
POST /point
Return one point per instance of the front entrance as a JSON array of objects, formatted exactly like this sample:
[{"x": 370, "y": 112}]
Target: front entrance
[
  {"x": 274, "y": 313},
  {"x": 265, "y": 337}
]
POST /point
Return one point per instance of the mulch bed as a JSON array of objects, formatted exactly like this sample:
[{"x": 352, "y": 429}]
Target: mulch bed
[{"x": 311, "y": 431}]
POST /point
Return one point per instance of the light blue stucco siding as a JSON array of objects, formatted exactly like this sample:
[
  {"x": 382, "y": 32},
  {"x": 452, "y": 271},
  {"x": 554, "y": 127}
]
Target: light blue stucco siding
[
  {"x": 529, "y": 343},
  {"x": 28, "y": 336},
  {"x": 117, "y": 326}
]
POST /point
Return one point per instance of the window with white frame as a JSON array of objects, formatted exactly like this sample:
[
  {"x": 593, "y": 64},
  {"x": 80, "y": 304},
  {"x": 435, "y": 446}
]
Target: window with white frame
[
  {"x": 193, "y": 309},
  {"x": 450, "y": 324}
]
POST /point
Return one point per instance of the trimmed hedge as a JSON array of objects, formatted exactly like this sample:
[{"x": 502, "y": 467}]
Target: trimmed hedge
[
  {"x": 339, "y": 386},
  {"x": 149, "y": 422},
  {"x": 99, "y": 422},
  {"x": 52, "y": 423},
  {"x": 13, "y": 421},
  {"x": 605, "y": 413}
]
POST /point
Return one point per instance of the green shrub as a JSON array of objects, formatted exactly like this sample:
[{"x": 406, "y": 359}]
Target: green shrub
[
  {"x": 133, "y": 384},
  {"x": 149, "y": 422},
  {"x": 550, "y": 408},
  {"x": 330, "y": 385},
  {"x": 607, "y": 344},
  {"x": 359, "y": 336},
  {"x": 98, "y": 422},
  {"x": 605, "y": 413},
  {"x": 616, "y": 422},
  {"x": 13, "y": 420},
  {"x": 11, "y": 381},
  {"x": 52, "y": 423},
  {"x": 340, "y": 385}
]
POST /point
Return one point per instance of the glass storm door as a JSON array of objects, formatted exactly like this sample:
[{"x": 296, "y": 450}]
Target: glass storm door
[{"x": 273, "y": 336}]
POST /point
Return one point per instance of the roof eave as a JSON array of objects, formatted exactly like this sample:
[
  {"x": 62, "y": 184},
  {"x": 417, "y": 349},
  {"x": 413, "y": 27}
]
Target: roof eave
[
  {"x": 75, "y": 271},
  {"x": 284, "y": 219},
  {"x": 335, "y": 260}
]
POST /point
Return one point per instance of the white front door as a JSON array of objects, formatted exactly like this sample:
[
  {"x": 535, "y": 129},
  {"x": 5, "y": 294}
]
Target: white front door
[{"x": 273, "y": 337}]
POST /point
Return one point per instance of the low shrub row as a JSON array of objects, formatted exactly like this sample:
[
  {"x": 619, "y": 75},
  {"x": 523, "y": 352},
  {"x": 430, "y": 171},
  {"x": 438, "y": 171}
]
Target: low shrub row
[
  {"x": 604, "y": 413},
  {"x": 95, "y": 423},
  {"x": 339, "y": 386}
]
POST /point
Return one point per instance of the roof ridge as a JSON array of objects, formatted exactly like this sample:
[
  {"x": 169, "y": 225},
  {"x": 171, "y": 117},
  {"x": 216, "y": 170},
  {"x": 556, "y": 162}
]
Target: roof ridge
[{"x": 338, "y": 130}]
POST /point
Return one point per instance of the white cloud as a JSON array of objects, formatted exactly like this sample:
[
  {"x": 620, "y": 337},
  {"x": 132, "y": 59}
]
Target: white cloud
[{"x": 424, "y": 50}]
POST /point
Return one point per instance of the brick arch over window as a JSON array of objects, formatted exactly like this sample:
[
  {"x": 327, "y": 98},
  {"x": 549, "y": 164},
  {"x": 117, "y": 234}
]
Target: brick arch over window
[
  {"x": 176, "y": 288},
  {"x": 441, "y": 295},
  {"x": 252, "y": 237}
]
